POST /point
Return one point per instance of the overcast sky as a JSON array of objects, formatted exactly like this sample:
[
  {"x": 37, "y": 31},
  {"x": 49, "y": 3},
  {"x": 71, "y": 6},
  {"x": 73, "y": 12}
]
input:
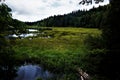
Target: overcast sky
[{"x": 33, "y": 10}]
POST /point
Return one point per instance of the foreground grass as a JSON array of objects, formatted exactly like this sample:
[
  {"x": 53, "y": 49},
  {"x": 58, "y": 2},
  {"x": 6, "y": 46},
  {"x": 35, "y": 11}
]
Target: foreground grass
[{"x": 60, "y": 54}]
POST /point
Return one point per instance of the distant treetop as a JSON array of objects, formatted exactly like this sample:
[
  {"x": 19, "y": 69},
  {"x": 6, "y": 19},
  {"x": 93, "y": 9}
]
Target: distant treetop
[{"x": 90, "y": 1}]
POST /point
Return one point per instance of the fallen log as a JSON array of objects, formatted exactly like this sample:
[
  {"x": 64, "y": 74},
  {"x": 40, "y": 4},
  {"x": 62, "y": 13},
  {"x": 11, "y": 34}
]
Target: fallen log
[{"x": 83, "y": 75}]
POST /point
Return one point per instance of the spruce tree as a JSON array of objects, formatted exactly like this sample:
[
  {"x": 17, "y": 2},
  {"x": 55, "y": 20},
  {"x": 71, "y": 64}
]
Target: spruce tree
[{"x": 7, "y": 65}]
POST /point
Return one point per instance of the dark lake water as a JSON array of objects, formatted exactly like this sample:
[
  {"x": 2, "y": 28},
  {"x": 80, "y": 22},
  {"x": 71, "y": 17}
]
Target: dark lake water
[{"x": 32, "y": 72}]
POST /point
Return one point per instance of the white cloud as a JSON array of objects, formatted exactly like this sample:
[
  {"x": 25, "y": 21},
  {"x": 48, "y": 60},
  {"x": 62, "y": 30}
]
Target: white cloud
[{"x": 33, "y": 10}]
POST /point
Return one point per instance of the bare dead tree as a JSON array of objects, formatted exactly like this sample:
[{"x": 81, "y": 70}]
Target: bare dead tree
[{"x": 2, "y": 0}]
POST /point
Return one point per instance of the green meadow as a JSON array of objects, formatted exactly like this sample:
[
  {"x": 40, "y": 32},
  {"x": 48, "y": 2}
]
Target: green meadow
[{"x": 62, "y": 53}]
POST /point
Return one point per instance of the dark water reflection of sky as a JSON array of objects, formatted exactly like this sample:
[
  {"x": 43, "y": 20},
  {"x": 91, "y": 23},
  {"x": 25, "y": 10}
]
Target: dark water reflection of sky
[{"x": 32, "y": 72}]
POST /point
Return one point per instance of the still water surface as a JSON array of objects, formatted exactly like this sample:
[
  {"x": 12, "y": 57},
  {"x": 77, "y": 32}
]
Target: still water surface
[{"x": 32, "y": 72}]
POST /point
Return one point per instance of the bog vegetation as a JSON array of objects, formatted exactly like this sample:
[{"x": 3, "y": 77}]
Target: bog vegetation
[{"x": 62, "y": 53}]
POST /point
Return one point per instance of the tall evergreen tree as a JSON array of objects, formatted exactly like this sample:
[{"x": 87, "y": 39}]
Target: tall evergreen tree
[
  {"x": 7, "y": 71},
  {"x": 111, "y": 34}
]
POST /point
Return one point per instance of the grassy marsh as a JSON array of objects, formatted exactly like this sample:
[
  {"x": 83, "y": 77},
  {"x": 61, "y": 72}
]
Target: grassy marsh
[{"x": 62, "y": 53}]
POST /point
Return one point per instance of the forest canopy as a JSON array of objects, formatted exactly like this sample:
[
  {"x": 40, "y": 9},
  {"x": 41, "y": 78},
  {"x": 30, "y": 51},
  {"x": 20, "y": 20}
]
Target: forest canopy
[{"x": 94, "y": 18}]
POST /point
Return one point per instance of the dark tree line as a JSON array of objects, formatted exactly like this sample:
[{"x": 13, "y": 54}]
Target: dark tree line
[{"x": 93, "y": 18}]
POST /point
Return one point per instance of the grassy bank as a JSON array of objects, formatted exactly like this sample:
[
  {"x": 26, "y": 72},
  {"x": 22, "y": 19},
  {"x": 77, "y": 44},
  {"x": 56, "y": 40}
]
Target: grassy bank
[{"x": 62, "y": 53}]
